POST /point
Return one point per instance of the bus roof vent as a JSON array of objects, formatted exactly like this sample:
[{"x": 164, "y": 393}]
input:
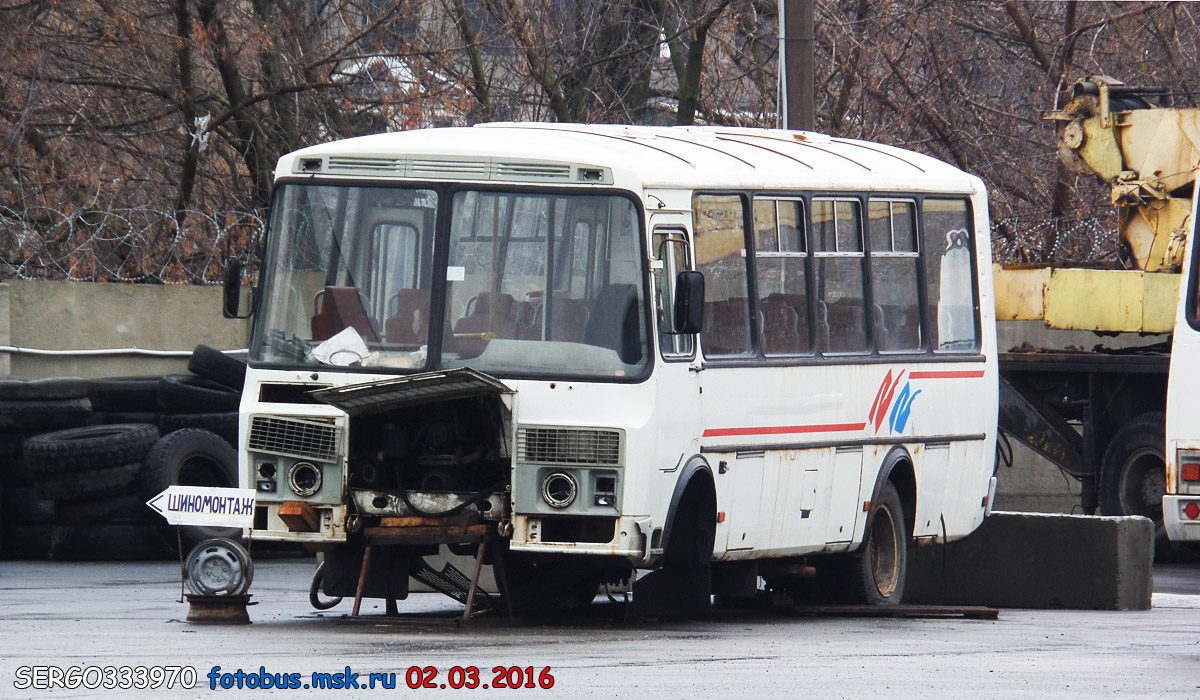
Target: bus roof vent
[
  {"x": 448, "y": 168},
  {"x": 545, "y": 445},
  {"x": 347, "y": 165},
  {"x": 539, "y": 172}
]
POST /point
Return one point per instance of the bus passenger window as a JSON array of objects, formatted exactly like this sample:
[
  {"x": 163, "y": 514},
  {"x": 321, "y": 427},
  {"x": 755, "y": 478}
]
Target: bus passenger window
[
  {"x": 949, "y": 289},
  {"x": 838, "y": 258},
  {"x": 779, "y": 263},
  {"x": 721, "y": 256},
  {"x": 894, "y": 258}
]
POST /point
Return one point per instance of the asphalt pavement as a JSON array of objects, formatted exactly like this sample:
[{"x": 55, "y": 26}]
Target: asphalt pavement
[{"x": 98, "y": 615}]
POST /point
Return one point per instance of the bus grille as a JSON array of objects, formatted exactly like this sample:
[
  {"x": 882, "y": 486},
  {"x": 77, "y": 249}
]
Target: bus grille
[
  {"x": 569, "y": 446},
  {"x": 310, "y": 438}
]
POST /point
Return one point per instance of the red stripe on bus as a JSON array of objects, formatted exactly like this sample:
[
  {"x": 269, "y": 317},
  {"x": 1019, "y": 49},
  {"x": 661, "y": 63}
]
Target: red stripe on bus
[
  {"x": 952, "y": 374},
  {"x": 782, "y": 429}
]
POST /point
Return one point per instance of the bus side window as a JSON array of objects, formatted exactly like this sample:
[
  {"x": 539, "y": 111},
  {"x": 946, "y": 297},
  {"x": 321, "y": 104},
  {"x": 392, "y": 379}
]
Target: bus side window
[
  {"x": 894, "y": 260},
  {"x": 670, "y": 248},
  {"x": 721, "y": 255},
  {"x": 780, "y": 253},
  {"x": 838, "y": 258},
  {"x": 949, "y": 286}
]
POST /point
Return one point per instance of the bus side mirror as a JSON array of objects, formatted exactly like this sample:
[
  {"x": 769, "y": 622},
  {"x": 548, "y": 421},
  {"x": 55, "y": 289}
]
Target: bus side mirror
[
  {"x": 689, "y": 302},
  {"x": 232, "y": 299}
]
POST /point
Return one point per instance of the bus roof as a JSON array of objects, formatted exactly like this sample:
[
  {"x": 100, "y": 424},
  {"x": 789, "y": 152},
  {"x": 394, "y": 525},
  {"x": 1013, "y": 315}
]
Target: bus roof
[{"x": 708, "y": 157}]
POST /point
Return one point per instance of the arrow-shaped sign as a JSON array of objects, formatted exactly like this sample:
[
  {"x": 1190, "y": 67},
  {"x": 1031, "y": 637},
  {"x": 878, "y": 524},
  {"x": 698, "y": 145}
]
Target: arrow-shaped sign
[{"x": 205, "y": 505}]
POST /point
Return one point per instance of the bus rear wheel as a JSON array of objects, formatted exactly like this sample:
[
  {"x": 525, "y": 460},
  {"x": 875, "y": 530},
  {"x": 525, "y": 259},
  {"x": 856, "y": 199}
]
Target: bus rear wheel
[{"x": 878, "y": 569}]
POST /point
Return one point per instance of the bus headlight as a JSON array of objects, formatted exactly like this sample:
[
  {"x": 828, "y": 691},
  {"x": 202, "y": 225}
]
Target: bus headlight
[
  {"x": 304, "y": 478},
  {"x": 559, "y": 489}
]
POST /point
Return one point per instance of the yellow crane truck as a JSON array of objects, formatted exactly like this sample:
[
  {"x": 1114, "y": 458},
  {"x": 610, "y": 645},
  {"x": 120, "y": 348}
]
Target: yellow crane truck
[{"x": 1119, "y": 398}]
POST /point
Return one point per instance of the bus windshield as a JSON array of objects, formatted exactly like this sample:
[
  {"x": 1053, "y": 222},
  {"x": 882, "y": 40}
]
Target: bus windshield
[{"x": 535, "y": 284}]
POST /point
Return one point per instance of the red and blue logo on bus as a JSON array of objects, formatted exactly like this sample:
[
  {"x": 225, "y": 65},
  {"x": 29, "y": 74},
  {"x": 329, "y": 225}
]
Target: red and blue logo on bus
[{"x": 900, "y": 403}]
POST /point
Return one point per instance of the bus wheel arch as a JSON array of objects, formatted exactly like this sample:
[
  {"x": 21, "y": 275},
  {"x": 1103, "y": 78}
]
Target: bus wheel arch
[
  {"x": 898, "y": 469},
  {"x": 692, "y": 514}
]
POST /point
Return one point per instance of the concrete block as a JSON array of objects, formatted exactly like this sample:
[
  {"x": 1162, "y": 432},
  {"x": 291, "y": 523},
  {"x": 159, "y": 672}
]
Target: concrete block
[{"x": 1037, "y": 560}]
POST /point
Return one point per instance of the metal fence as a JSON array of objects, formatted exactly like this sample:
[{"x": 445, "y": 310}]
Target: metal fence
[{"x": 153, "y": 246}]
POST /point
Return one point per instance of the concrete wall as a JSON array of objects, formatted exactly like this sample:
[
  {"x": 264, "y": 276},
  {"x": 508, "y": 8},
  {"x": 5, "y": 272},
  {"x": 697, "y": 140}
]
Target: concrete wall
[{"x": 91, "y": 316}]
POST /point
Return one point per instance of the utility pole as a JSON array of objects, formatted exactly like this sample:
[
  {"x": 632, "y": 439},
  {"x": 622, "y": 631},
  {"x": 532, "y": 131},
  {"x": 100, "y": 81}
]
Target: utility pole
[{"x": 797, "y": 82}]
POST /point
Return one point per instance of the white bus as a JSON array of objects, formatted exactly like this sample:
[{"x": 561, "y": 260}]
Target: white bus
[
  {"x": 1181, "y": 504},
  {"x": 729, "y": 355}
]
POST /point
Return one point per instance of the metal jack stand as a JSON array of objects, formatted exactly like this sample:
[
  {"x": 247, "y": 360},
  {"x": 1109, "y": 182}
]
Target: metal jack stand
[{"x": 416, "y": 531}]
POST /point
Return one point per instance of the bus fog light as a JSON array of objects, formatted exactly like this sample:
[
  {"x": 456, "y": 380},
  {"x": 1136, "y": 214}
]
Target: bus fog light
[
  {"x": 304, "y": 478},
  {"x": 1192, "y": 510},
  {"x": 559, "y": 489}
]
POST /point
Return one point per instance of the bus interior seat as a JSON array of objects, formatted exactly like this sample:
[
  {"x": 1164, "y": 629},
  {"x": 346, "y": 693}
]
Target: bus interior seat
[
  {"x": 846, "y": 329},
  {"x": 339, "y": 308},
  {"x": 613, "y": 323},
  {"x": 779, "y": 325},
  {"x": 568, "y": 320},
  {"x": 409, "y": 324},
  {"x": 480, "y": 318}
]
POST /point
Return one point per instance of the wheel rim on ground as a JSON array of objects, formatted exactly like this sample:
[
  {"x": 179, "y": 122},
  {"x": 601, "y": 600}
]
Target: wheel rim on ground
[
  {"x": 219, "y": 567},
  {"x": 884, "y": 551},
  {"x": 1142, "y": 484}
]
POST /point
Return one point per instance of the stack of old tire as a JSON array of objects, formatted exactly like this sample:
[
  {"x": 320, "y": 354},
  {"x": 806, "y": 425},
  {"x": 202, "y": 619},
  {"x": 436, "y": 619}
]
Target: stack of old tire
[
  {"x": 29, "y": 407},
  {"x": 135, "y": 436}
]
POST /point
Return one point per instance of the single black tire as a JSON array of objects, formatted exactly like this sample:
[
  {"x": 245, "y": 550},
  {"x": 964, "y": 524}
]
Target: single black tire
[
  {"x": 107, "y": 482},
  {"x": 26, "y": 542},
  {"x": 89, "y": 448},
  {"x": 190, "y": 457},
  {"x": 109, "y": 542},
  {"x": 23, "y": 506},
  {"x": 1133, "y": 472},
  {"x": 223, "y": 424},
  {"x": 44, "y": 415},
  {"x": 114, "y": 417},
  {"x": 51, "y": 389},
  {"x": 877, "y": 570},
  {"x": 121, "y": 509},
  {"x": 183, "y": 393},
  {"x": 218, "y": 367},
  {"x": 124, "y": 394}
]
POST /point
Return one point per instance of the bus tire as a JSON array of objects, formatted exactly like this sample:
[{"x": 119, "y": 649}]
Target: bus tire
[
  {"x": 1133, "y": 472},
  {"x": 878, "y": 569}
]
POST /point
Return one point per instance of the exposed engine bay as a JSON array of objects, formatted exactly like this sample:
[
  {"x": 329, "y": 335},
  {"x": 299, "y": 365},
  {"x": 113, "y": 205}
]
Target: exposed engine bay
[{"x": 429, "y": 445}]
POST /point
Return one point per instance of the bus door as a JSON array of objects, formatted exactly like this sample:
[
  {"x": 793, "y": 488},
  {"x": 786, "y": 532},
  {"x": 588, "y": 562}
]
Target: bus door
[{"x": 678, "y": 385}]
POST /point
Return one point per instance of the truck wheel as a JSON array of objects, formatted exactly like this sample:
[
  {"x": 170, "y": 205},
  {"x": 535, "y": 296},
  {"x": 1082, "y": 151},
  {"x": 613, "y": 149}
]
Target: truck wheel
[
  {"x": 1133, "y": 472},
  {"x": 877, "y": 570}
]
